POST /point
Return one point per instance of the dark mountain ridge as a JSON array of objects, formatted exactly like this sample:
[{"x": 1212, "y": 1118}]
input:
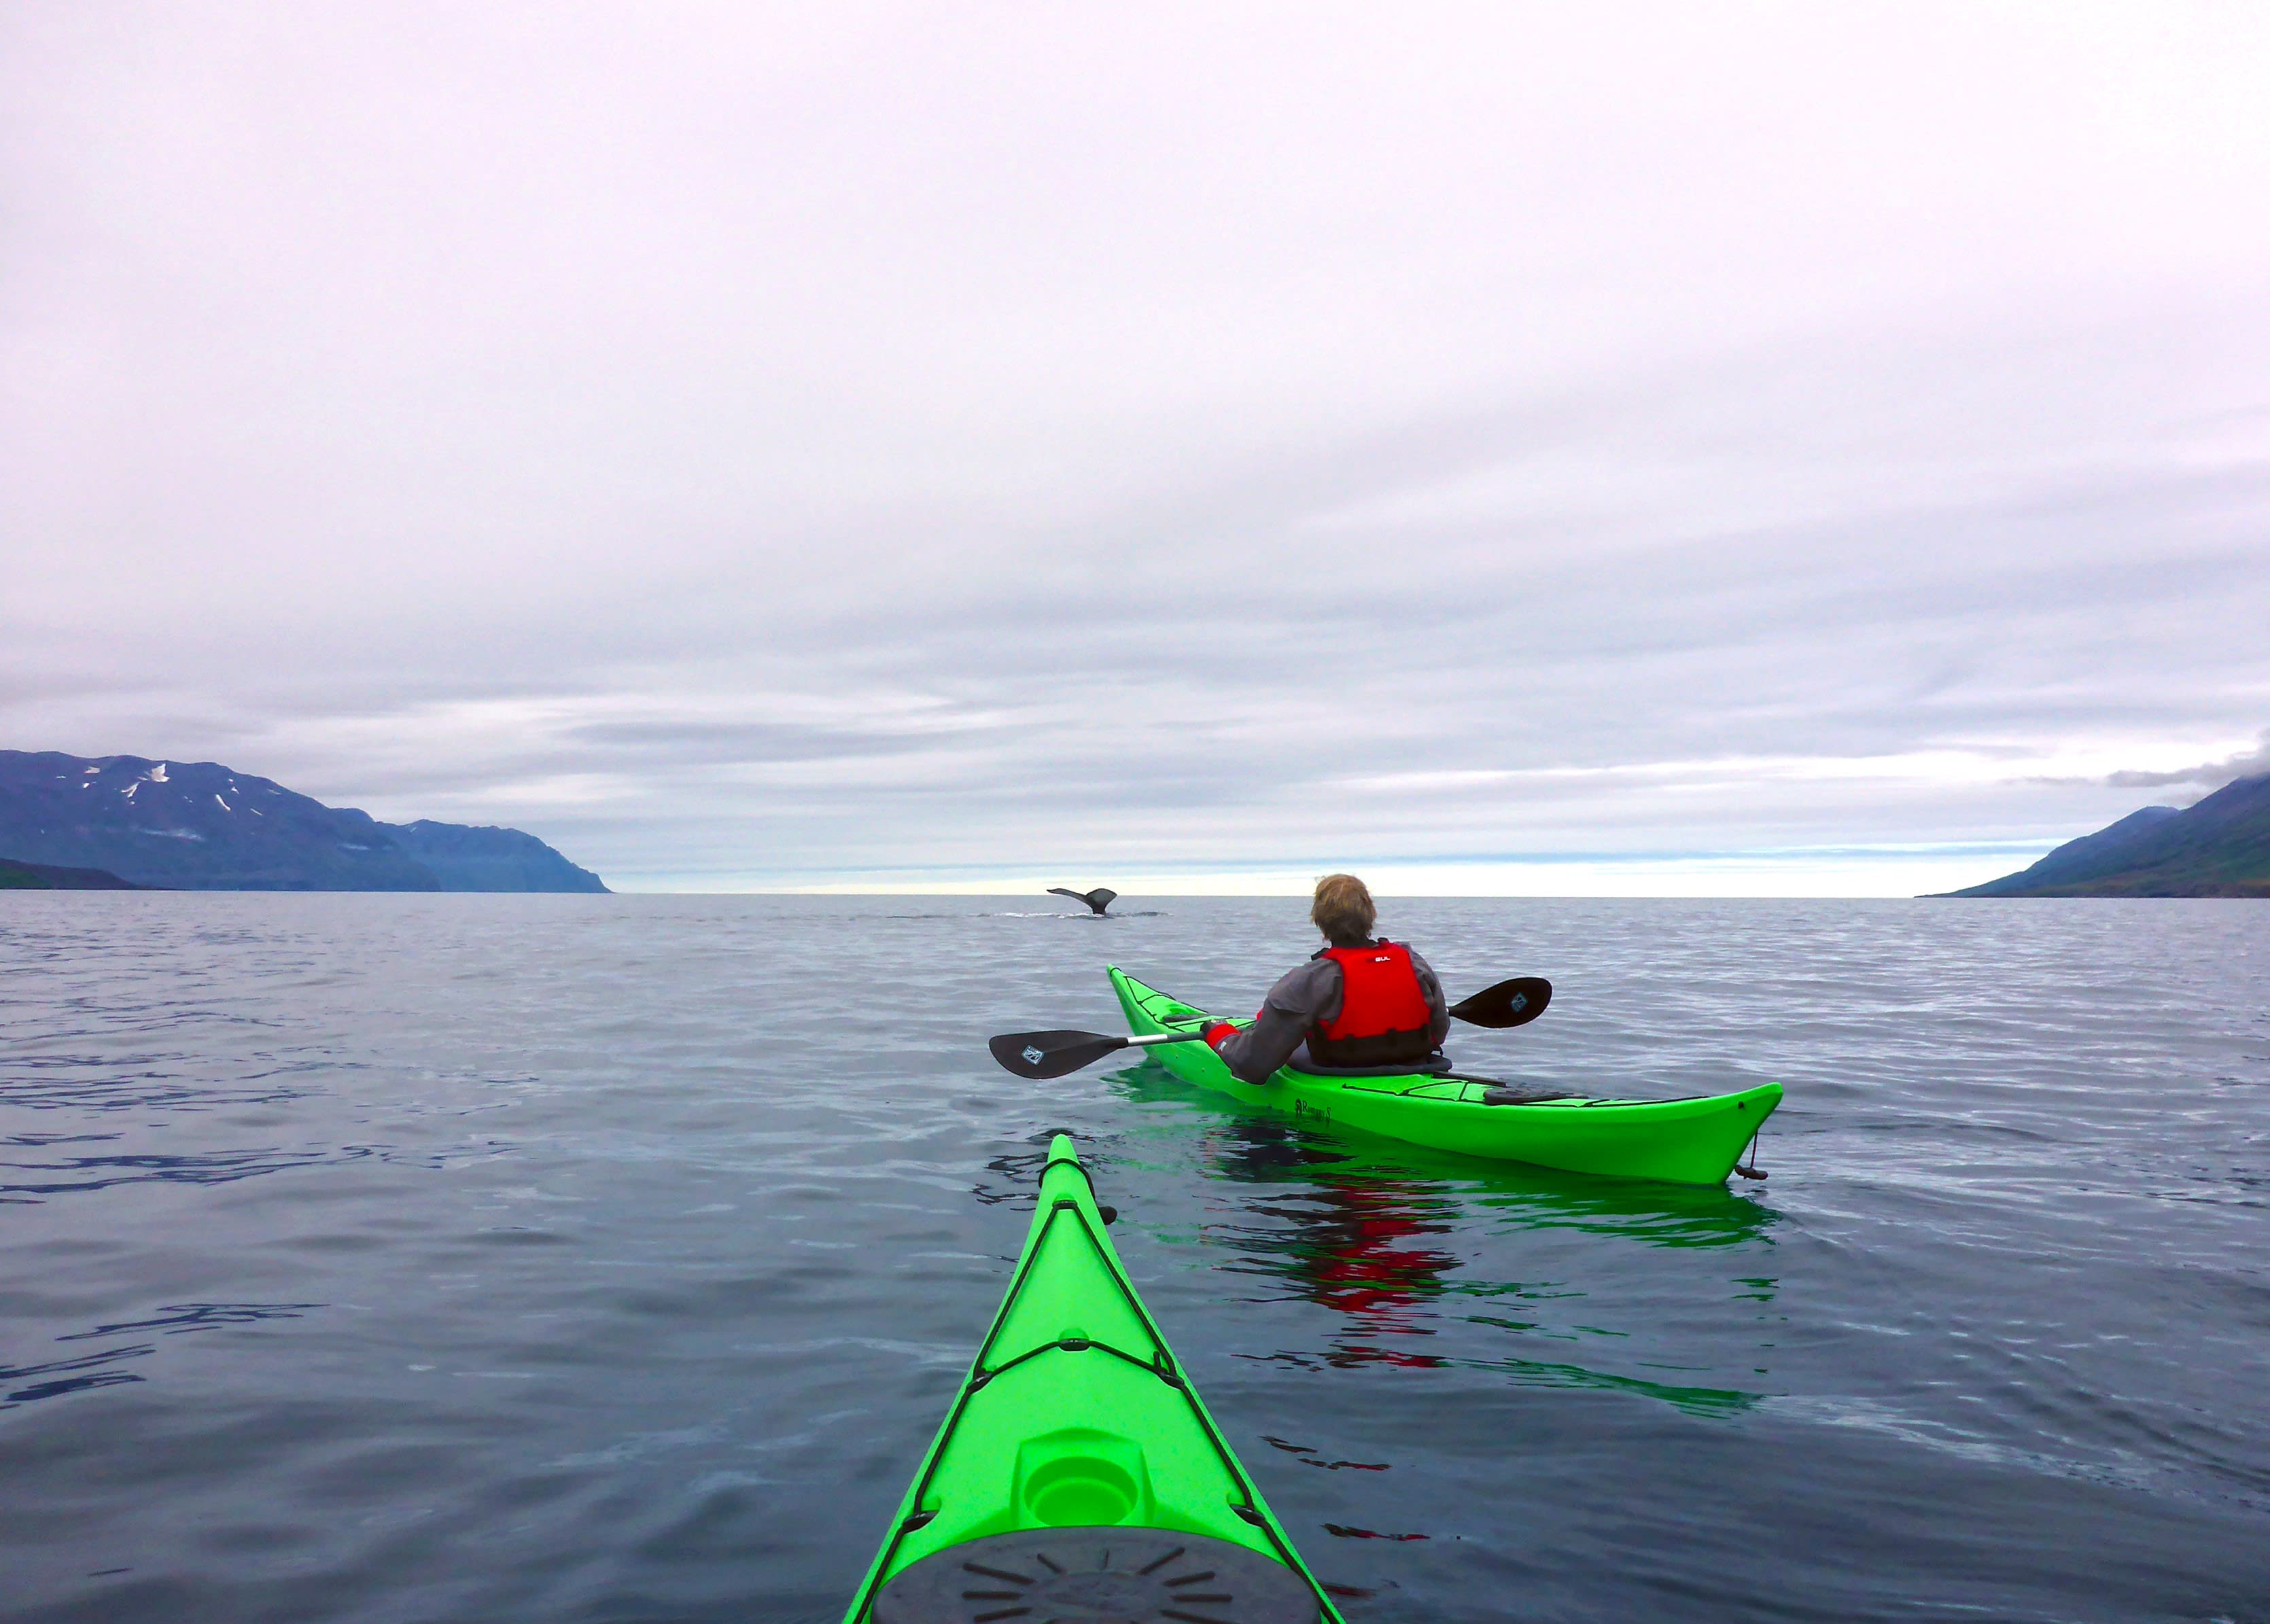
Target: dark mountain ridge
[
  {"x": 198, "y": 826},
  {"x": 2220, "y": 847},
  {"x": 45, "y": 876}
]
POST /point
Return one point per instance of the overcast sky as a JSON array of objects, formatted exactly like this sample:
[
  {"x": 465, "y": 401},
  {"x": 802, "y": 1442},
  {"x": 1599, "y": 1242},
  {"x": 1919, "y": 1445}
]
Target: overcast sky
[{"x": 1657, "y": 448}]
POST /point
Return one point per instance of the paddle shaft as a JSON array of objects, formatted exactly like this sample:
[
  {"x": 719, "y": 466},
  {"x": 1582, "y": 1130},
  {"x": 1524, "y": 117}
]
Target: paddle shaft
[{"x": 1041, "y": 1055}]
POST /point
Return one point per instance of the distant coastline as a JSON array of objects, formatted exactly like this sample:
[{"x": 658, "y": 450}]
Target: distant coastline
[
  {"x": 2218, "y": 847},
  {"x": 128, "y": 822}
]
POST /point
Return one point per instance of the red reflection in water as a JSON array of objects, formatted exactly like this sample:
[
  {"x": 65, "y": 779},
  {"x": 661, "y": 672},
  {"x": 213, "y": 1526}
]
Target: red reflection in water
[{"x": 1356, "y": 1247}]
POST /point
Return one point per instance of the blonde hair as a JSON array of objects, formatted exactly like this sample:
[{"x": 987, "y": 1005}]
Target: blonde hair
[{"x": 1343, "y": 909}]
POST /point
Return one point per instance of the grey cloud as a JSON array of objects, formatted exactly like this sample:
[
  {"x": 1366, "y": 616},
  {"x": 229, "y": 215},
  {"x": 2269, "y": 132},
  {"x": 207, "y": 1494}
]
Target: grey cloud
[
  {"x": 2205, "y": 775},
  {"x": 730, "y": 743}
]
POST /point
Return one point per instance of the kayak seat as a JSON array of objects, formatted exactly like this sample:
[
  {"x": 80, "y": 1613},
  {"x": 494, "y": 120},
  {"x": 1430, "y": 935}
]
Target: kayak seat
[{"x": 1434, "y": 1065}]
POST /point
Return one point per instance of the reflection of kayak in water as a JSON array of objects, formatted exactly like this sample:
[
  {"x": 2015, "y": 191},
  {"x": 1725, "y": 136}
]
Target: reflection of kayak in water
[
  {"x": 1077, "y": 1477},
  {"x": 1695, "y": 1141},
  {"x": 1391, "y": 1238},
  {"x": 1260, "y": 1147}
]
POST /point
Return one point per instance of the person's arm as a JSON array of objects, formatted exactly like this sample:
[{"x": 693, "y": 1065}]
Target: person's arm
[
  {"x": 1293, "y": 1005},
  {"x": 1438, "y": 1009}
]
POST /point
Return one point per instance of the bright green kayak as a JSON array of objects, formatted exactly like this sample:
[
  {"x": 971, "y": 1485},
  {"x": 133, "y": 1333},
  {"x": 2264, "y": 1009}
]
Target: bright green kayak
[
  {"x": 1078, "y": 1478},
  {"x": 1693, "y": 1141}
]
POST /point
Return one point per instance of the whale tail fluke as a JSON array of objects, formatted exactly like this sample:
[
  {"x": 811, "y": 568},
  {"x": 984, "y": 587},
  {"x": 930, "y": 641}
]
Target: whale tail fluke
[{"x": 1098, "y": 899}]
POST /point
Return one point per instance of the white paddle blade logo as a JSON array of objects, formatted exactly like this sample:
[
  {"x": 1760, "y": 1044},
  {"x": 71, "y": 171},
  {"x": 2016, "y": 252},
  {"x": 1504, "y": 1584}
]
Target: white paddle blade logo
[{"x": 1032, "y": 1055}]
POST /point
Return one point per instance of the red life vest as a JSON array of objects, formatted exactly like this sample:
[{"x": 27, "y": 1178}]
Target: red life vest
[{"x": 1384, "y": 1019}]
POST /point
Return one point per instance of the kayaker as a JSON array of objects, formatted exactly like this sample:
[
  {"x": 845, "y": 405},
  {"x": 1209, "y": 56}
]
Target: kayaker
[{"x": 1357, "y": 1004}]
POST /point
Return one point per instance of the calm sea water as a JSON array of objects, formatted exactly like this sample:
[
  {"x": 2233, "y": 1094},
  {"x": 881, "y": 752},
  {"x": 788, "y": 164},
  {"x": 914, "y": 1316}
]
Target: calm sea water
[{"x": 567, "y": 1258}]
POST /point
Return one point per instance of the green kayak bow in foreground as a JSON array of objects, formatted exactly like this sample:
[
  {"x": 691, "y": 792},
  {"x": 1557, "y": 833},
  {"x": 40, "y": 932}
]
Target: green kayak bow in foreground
[
  {"x": 1078, "y": 1478},
  {"x": 1693, "y": 1141}
]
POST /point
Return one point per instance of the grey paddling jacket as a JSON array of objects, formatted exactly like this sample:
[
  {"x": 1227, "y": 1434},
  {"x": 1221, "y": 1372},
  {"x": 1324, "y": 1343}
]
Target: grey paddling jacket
[{"x": 1303, "y": 998}]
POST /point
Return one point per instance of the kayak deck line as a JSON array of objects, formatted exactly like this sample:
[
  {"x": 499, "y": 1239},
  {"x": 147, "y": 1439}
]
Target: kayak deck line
[
  {"x": 1095, "y": 1487},
  {"x": 1694, "y": 1139}
]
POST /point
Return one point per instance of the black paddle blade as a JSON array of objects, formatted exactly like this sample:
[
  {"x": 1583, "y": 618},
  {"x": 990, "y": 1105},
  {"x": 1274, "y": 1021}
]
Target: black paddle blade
[
  {"x": 1514, "y": 1003},
  {"x": 1040, "y": 1054},
  {"x": 1099, "y": 899}
]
